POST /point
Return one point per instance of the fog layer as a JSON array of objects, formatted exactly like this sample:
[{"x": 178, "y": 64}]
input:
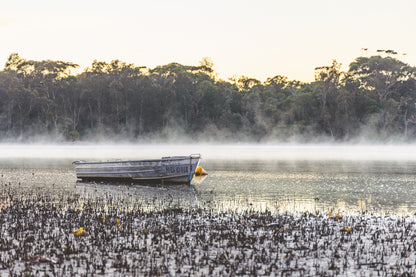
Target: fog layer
[{"x": 213, "y": 151}]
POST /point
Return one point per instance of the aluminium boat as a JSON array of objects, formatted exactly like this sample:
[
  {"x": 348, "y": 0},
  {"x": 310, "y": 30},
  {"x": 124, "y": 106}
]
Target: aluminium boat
[{"x": 176, "y": 169}]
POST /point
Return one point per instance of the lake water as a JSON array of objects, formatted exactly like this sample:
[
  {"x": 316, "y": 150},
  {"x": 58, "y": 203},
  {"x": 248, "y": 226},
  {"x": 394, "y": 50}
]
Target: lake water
[{"x": 286, "y": 178}]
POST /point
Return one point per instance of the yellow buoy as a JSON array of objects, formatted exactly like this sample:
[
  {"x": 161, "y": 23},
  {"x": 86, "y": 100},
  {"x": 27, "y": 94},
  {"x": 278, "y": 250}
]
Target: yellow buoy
[{"x": 200, "y": 171}]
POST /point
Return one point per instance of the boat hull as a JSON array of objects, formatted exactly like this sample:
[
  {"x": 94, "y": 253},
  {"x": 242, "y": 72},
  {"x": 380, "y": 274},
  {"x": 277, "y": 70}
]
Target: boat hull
[{"x": 179, "y": 169}]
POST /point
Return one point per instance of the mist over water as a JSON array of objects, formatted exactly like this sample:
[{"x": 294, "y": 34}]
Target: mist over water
[
  {"x": 276, "y": 177},
  {"x": 269, "y": 152}
]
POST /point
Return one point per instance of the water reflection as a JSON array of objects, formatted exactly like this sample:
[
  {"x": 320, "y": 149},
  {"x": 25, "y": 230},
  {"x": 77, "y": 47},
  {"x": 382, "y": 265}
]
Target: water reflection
[
  {"x": 293, "y": 186},
  {"x": 134, "y": 196}
]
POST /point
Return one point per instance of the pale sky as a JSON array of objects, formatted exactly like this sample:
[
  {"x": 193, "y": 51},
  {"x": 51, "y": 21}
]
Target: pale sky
[{"x": 258, "y": 39}]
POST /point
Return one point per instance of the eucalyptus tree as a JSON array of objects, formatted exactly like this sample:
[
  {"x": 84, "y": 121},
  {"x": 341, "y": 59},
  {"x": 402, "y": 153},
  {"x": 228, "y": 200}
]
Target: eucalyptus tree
[
  {"x": 189, "y": 94},
  {"x": 44, "y": 80},
  {"x": 107, "y": 90},
  {"x": 383, "y": 78},
  {"x": 327, "y": 80},
  {"x": 16, "y": 104},
  {"x": 277, "y": 97}
]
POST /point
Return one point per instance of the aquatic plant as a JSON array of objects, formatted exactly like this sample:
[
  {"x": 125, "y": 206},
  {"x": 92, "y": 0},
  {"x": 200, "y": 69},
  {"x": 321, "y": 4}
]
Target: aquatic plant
[{"x": 39, "y": 238}]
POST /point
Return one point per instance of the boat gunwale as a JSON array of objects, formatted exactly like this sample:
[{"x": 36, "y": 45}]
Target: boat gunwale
[{"x": 177, "y": 158}]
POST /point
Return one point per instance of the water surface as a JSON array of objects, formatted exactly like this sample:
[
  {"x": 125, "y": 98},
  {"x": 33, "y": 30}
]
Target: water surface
[{"x": 292, "y": 178}]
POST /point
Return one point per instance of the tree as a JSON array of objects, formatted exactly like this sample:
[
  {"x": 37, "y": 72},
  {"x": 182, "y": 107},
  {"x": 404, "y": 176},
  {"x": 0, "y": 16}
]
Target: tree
[
  {"x": 207, "y": 65},
  {"x": 328, "y": 80},
  {"x": 383, "y": 78},
  {"x": 119, "y": 98}
]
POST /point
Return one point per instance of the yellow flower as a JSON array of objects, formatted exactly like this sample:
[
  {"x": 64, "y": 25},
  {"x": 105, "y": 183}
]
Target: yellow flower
[
  {"x": 79, "y": 232},
  {"x": 336, "y": 216}
]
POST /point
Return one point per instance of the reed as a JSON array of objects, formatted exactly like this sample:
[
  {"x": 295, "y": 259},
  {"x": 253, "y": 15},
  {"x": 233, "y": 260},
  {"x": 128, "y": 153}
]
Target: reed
[{"x": 41, "y": 235}]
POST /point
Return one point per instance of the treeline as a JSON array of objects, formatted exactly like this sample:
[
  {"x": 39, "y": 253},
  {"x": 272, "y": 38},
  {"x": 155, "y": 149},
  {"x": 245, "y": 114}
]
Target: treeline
[{"x": 375, "y": 98}]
